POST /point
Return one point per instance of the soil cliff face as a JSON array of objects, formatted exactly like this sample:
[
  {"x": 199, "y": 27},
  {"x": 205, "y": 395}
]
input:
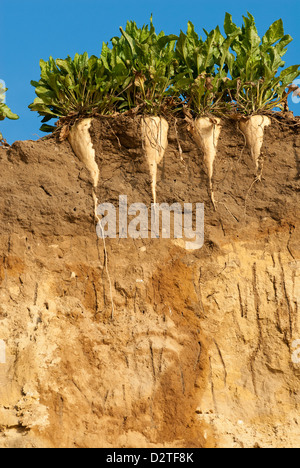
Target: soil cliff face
[{"x": 139, "y": 342}]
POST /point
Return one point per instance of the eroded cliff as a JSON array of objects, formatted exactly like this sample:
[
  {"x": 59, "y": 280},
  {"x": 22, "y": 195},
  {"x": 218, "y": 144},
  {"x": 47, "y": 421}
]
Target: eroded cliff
[{"x": 141, "y": 343}]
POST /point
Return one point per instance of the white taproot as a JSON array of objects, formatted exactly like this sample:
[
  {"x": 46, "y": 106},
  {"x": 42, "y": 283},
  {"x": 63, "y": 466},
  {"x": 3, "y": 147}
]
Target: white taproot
[
  {"x": 206, "y": 133},
  {"x": 155, "y": 142},
  {"x": 81, "y": 142},
  {"x": 253, "y": 129}
]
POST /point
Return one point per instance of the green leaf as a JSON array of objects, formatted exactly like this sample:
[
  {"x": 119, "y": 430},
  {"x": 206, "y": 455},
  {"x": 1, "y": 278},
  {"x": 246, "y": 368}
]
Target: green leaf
[
  {"x": 48, "y": 128},
  {"x": 274, "y": 33},
  {"x": 131, "y": 42},
  {"x": 46, "y": 119},
  {"x": 34, "y": 83},
  {"x": 105, "y": 54},
  {"x": 6, "y": 112},
  {"x": 229, "y": 26},
  {"x": 288, "y": 75},
  {"x": 163, "y": 41},
  {"x": 65, "y": 66}
]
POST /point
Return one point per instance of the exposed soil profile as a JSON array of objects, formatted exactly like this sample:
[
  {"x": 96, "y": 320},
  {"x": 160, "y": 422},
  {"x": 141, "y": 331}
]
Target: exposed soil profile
[{"x": 199, "y": 350}]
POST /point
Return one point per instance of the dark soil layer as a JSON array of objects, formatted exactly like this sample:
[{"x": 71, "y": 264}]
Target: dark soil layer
[{"x": 182, "y": 177}]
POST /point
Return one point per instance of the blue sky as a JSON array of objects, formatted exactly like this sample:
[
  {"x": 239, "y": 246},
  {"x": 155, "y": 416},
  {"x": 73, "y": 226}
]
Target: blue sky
[{"x": 34, "y": 29}]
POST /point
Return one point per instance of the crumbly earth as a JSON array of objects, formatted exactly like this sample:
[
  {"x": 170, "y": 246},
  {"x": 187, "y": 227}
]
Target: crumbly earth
[{"x": 141, "y": 343}]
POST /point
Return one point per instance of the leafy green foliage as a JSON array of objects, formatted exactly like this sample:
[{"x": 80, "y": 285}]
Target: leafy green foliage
[
  {"x": 256, "y": 85},
  {"x": 5, "y": 111},
  {"x": 74, "y": 87},
  {"x": 144, "y": 61},
  {"x": 202, "y": 69},
  {"x": 159, "y": 74}
]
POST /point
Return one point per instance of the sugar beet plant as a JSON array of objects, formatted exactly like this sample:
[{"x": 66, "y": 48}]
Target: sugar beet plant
[
  {"x": 74, "y": 88},
  {"x": 202, "y": 70},
  {"x": 146, "y": 62},
  {"x": 5, "y": 111},
  {"x": 256, "y": 86}
]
